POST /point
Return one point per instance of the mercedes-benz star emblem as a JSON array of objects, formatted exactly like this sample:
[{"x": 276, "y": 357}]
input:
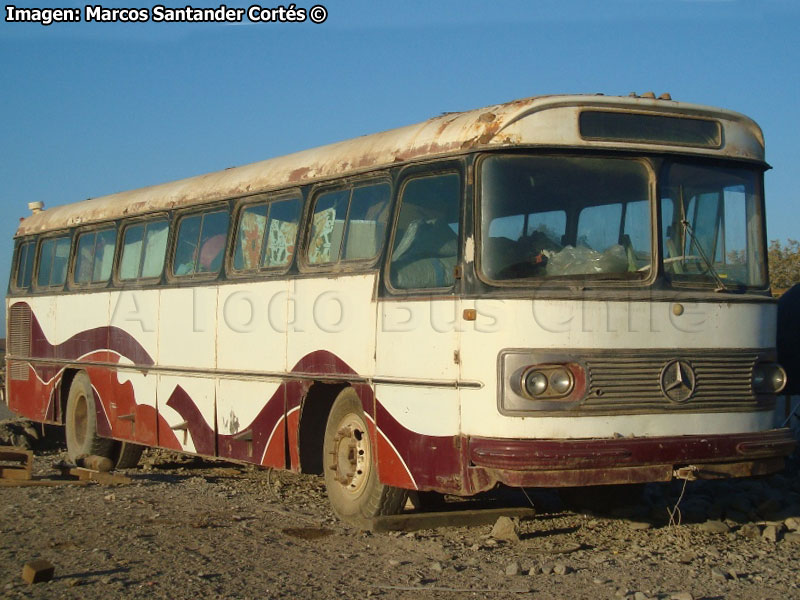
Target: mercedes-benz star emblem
[{"x": 677, "y": 380}]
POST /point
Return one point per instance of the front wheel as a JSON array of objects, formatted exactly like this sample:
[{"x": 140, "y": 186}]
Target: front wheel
[
  {"x": 81, "y": 422},
  {"x": 351, "y": 477}
]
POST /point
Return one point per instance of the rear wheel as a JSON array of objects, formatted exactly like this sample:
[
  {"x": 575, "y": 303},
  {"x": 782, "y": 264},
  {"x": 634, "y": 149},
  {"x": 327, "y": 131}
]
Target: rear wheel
[
  {"x": 81, "y": 422},
  {"x": 351, "y": 477},
  {"x": 126, "y": 455}
]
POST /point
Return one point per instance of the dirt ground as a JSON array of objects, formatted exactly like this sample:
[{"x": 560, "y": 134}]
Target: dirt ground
[{"x": 192, "y": 528}]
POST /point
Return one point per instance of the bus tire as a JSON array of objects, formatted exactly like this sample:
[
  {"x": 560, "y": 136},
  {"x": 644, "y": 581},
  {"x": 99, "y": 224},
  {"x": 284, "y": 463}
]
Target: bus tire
[
  {"x": 351, "y": 476},
  {"x": 127, "y": 455},
  {"x": 81, "y": 422}
]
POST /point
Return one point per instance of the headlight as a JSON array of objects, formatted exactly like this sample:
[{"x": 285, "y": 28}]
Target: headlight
[
  {"x": 535, "y": 383},
  {"x": 769, "y": 378},
  {"x": 547, "y": 382},
  {"x": 561, "y": 381}
]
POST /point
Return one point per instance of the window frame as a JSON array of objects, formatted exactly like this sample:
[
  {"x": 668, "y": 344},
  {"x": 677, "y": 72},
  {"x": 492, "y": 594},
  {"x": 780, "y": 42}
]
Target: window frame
[
  {"x": 340, "y": 265},
  {"x": 15, "y": 265},
  {"x": 96, "y": 229},
  {"x": 243, "y": 204},
  {"x": 584, "y": 280},
  {"x": 411, "y": 173},
  {"x": 172, "y": 244},
  {"x": 121, "y": 231},
  {"x": 51, "y": 235}
]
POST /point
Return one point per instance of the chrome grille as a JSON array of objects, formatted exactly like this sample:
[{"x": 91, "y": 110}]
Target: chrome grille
[
  {"x": 19, "y": 340},
  {"x": 629, "y": 380}
]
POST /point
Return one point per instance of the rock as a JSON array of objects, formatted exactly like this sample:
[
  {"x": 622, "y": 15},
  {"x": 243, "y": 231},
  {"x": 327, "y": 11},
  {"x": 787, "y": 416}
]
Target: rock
[
  {"x": 394, "y": 563},
  {"x": 547, "y": 568},
  {"x": 513, "y": 569},
  {"x": 714, "y": 527},
  {"x": 505, "y": 529},
  {"x": 639, "y": 525},
  {"x": 718, "y": 574},
  {"x": 562, "y": 569},
  {"x": 682, "y": 596},
  {"x": 566, "y": 549},
  {"x": 750, "y": 531},
  {"x": 436, "y": 566},
  {"x": 38, "y": 571},
  {"x": 792, "y": 537},
  {"x": 640, "y": 596},
  {"x": 770, "y": 533},
  {"x": 686, "y": 557},
  {"x": 792, "y": 523}
]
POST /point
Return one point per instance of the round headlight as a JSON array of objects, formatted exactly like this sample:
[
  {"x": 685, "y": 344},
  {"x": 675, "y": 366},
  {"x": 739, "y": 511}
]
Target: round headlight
[
  {"x": 770, "y": 378},
  {"x": 535, "y": 383},
  {"x": 561, "y": 381},
  {"x": 778, "y": 379}
]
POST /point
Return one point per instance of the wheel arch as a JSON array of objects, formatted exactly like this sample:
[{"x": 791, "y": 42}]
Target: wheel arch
[
  {"x": 63, "y": 392},
  {"x": 314, "y": 410}
]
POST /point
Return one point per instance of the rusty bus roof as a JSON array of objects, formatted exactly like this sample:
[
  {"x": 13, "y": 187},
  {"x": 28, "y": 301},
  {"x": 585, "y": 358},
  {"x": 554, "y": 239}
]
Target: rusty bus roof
[{"x": 549, "y": 121}]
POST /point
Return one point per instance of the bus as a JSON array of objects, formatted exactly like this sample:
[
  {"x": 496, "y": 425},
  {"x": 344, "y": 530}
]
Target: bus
[{"x": 557, "y": 291}]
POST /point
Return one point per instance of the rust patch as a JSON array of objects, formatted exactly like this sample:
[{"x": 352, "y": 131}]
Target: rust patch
[{"x": 299, "y": 174}]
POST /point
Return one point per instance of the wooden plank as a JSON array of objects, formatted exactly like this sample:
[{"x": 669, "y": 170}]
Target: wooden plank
[
  {"x": 455, "y": 518},
  {"x": 22, "y": 463},
  {"x": 90, "y": 475}
]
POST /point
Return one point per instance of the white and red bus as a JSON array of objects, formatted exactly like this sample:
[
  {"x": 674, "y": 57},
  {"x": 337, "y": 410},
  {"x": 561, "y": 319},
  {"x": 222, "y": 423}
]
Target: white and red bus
[{"x": 557, "y": 291}]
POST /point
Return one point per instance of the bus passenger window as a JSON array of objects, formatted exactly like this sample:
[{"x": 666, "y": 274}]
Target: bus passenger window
[
  {"x": 95, "y": 256},
  {"x": 53, "y": 259},
  {"x": 284, "y": 216},
  {"x": 201, "y": 243},
  {"x": 349, "y": 224},
  {"x": 25, "y": 264},
  {"x": 426, "y": 240},
  {"x": 249, "y": 237},
  {"x": 366, "y": 222},
  {"x": 327, "y": 227},
  {"x": 143, "y": 248},
  {"x": 266, "y": 235}
]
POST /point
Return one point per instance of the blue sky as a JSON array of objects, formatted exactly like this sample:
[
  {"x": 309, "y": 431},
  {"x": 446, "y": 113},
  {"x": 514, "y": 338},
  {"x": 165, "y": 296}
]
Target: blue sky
[{"x": 91, "y": 109}]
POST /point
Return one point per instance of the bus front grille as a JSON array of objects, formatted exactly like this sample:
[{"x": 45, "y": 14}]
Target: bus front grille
[{"x": 632, "y": 381}]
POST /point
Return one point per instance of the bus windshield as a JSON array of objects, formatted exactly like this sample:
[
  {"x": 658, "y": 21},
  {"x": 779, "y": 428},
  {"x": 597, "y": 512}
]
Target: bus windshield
[
  {"x": 565, "y": 217},
  {"x": 712, "y": 226}
]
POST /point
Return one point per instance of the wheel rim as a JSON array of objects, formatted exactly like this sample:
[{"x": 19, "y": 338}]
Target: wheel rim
[
  {"x": 351, "y": 454},
  {"x": 80, "y": 419}
]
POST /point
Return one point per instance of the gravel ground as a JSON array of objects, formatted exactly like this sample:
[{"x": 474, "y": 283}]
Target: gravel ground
[{"x": 192, "y": 528}]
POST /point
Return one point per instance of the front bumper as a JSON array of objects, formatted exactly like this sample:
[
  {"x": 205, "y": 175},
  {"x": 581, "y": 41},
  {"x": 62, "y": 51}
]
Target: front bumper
[{"x": 569, "y": 463}]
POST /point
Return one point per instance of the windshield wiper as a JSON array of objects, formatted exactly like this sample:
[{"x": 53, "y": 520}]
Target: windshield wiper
[{"x": 688, "y": 229}]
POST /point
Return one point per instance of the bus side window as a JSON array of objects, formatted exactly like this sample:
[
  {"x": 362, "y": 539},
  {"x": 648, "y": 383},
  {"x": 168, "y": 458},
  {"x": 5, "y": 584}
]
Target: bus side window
[
  {"x": 327, "y": 227},
  {"x": 53, "y": 260},
  {"x": 94, "y": 256},
  {"x": 349, "y": 224},
  {"x": 25, "y": 264},
  {"x": 201, "y": 243},
  {"x": 284, "y": 216},
  {"x": 144, "y": 247},
  {"x": 266, "y": 235},
  {"x": 426, "y": 240},
  {"x": 366, "y": 222}
]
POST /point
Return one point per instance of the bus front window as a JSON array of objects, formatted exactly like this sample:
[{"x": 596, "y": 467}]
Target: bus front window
[
  {"x": 712, "y": 226},
  {"x": 564, "y": 217}
]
